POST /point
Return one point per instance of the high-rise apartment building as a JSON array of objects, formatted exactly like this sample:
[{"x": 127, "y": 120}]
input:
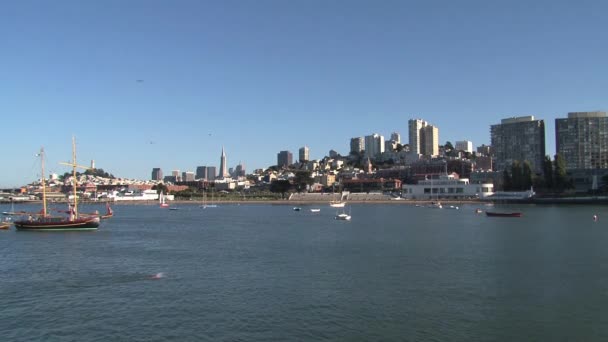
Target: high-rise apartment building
[
  {"x": 521, "y": 139},
  {"x": 357, "y": 144},
  {"x": 582, "y": 140},
  {"x": 374, "y": 145},
  {"x": 157, "y": 174},
  {"x": 304, "y": 154},
  {"x": 415, "y": 135},
  {"x": 464, "y": 145},
  {"x": 223, "y": 170},
  {"x": 430, "y": 136},
  {"x": 284, "y": 159},
  {"x": 423, "y": 137},
  {"x": 396, "y": 137}
]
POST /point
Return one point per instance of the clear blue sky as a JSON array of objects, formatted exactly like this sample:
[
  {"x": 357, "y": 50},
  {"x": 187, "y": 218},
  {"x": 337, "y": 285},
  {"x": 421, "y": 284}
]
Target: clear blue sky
[{"x": 262, "y": 76}]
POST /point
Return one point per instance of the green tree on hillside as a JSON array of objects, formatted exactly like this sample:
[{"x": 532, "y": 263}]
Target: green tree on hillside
[{"x": 280, "y": 186}]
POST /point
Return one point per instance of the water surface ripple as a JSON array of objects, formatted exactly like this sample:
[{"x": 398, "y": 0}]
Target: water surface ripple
[{"x": 268, "y": 273}]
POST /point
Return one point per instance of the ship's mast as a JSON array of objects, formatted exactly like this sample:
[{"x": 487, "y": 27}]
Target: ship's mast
[
  {"x": 43, "y": 182},
  {"x": 74, "y": 181}
]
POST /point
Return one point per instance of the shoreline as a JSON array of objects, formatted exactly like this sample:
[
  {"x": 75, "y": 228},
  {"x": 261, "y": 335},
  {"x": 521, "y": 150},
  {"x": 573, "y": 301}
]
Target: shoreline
[{"x": 570, "y": 200}]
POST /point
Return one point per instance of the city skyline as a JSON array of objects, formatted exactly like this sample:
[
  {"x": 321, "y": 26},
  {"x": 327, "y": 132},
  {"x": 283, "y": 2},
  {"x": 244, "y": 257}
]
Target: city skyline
[{"x": 142, "y": 85}]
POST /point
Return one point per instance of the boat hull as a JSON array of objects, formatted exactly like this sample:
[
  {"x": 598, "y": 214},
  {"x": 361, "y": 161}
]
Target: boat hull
[
  {"x": 58, "y": 225},
  {"x": 492, "y": 214}
]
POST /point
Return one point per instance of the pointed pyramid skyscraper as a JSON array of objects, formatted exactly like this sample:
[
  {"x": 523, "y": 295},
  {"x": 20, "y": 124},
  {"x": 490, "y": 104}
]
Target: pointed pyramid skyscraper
[{"x": 223, "y": 170}]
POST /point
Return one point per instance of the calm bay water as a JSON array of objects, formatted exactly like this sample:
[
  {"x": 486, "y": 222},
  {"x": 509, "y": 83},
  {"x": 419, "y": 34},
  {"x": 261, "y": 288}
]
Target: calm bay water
[{"x": 268, "y": 273}]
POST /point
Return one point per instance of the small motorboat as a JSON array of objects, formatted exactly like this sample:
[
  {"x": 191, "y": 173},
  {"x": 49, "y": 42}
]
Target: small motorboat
[
  {"x": 497, "y": 214},
  {"x": 297, "y": 208},
  {"x": 478, "y": 211},
  {"x": 5, "y": 225},
  {"x": 315, "y": 210}
]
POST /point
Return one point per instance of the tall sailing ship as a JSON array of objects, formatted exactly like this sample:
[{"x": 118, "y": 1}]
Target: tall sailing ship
[{"x": 43, "y": 221}]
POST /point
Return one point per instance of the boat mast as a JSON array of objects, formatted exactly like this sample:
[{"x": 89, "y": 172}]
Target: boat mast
[
  {"x": 43, "y": 183},
  {"x": 74, "y": 182}
]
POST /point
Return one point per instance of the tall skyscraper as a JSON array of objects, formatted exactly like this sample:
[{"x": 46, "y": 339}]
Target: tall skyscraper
[
  {"x": 374, "y": 145},
  {"x": 521, "y": 139},
  {"x": 582, "y": 140},
  {"x": 357, "y": 144},
  {"x": 201, "y": 172},
  {"x": 211, "y": 173},
  {"x": 284, "y": 159},
  {"x": 223, "y": 169},
  {"x": 304, "y": 154},
  {"x": 157, "y": 174}
]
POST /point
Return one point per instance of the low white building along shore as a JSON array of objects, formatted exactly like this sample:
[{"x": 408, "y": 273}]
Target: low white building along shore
[
  {"x": 446, "y": 187},
  {"x": 145, "y": 195}
]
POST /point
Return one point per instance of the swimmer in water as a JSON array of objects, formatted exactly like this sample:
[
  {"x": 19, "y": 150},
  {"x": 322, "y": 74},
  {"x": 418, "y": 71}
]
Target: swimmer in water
[{"x": 157, "y": 276}]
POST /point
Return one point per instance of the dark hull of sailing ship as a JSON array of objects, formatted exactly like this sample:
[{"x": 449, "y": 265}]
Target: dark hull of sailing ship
[{"x": 58, "y": 224}]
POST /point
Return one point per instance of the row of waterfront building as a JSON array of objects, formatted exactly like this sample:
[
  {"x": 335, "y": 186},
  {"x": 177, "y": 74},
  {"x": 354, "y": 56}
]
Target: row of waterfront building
[{"x": 581, "y": 140}]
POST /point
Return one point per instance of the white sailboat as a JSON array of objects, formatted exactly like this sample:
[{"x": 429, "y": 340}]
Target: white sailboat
[
  {"x": 12, "y": 211},
  {"x": 161, "y": 199},
  {"x": 343, "y": 215},
  {"x": 337, "y": 203},
  {"x": 205, "y": 204}
]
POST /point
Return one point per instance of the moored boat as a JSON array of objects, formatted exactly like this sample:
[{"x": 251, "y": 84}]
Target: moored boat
[
  {"x": 46, "y": 222},
  {"x": 161, "y": 199},
  {"x": 337, "y": 204},
  {"x": 343, "y": 216},
  {"x": 497, "y": 214}
]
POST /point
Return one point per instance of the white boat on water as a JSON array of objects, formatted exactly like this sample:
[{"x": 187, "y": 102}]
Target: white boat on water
[
  {"x": 343, "y": 216},
  {"x": 315, "y": 210},
  {"x": 206, "y": 205},
  {"x": 435, "y": 205},
  {"x": 337, "y": 204},
  {"x": 161, "y": 200}
]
